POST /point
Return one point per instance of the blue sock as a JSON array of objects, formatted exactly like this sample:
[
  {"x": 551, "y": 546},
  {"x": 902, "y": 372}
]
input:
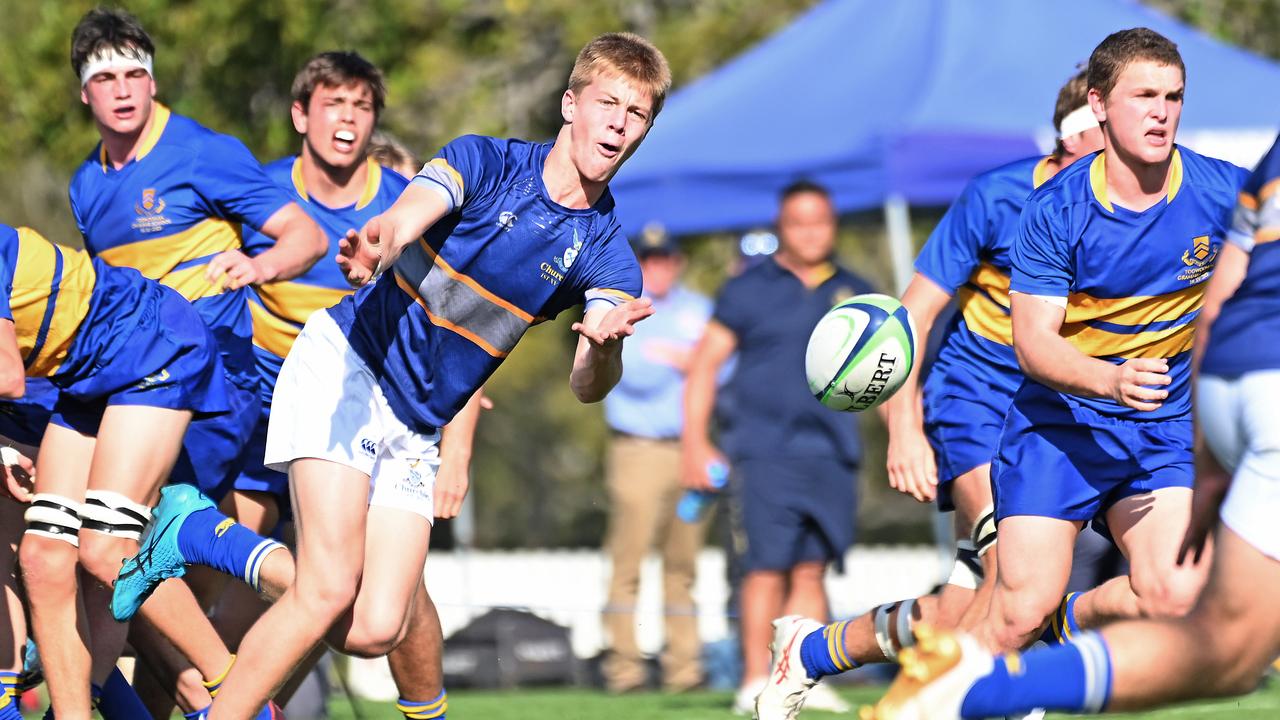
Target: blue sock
[
  {"x": 432, "y": 710},
  {"x": 196, "y": 714},
  {"x": 1075, "y": 678},
  {"x": 116, "y": 699},
  {"x": 208, "y": 537},
  {"x": 822, "y": 651},
  {"x": 1062, "y": 624},
  {"x": 9, "y": 697}
]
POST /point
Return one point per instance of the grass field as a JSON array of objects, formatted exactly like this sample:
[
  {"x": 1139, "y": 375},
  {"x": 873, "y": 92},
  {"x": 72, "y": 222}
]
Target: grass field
[{"x": 589, "y": 705}]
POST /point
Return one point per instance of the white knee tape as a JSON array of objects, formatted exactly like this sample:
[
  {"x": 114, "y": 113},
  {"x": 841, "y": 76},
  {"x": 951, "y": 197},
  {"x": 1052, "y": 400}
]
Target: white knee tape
[
  {"x": 881, "y": 624},
  {"x": 906, "y": 638},
  {"x": 55, "y": 517},
  {"x": 967, "y": 572},
  {"x": 984, "y": 530},
  {"x": 111, "y": 513}
]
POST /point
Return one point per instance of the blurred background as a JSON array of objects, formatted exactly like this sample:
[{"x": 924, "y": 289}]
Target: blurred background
[{"x": 493, "y": 67}]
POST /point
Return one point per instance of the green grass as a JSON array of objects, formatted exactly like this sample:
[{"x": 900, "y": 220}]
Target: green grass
[{"x": 589, "y": 705}]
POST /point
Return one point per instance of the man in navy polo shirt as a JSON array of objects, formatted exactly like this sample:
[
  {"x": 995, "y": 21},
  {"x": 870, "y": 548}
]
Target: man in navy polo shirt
[{"x": 794, "y": 463}]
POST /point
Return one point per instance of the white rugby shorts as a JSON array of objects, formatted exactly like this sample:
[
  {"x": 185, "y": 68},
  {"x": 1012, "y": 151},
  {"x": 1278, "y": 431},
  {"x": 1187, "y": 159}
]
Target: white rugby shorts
[
  {"x": 328, "y": 405},
  {"x": 1240, "y": 419}
]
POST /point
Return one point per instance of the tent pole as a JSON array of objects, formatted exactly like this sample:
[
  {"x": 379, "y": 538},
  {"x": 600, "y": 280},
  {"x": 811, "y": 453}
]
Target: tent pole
[{"x": 897, "y": 220}]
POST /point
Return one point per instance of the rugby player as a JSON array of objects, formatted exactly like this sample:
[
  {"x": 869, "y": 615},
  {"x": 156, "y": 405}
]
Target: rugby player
[
  {"x": 1109, "y": 272},
  {"x": 957, "y": 421},
  {"x": 492, "y": 236}
]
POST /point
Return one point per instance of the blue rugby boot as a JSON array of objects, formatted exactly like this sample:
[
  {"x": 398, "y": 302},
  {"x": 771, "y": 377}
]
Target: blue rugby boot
[{"x": 159, "y": 557}]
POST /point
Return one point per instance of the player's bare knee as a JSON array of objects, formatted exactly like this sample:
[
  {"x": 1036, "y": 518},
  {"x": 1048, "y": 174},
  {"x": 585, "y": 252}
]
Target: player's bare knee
[
  {"x": 1167, "y": 596},
  {"x": 101, "y": 556},
  {"x": 372, "y": 637},
  {"x": 1024, "y": 613},
  {"x": 48, "y": 566},
  {"x": 326, "y": 600}
]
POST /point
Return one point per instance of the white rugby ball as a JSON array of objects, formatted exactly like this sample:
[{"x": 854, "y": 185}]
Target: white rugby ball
[{"x": 860, "y": 353}]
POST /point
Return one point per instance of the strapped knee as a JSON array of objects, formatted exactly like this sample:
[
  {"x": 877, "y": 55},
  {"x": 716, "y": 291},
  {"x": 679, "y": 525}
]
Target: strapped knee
[
  {"x": 55, "y": 517},
  {"x": 967, "y": 572},
  {"x": 984, "y": 531},
  {"x": 111, "y": 513}
]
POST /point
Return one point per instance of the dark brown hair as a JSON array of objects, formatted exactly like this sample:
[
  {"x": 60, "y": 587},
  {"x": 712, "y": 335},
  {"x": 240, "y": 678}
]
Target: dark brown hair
[
  {"x": 1121, "y": 48},
  {"x": 339, "y": 68},
  {"x": 103, "y": 28}
]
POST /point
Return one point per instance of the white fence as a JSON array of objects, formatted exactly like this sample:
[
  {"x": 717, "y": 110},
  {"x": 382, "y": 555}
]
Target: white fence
[{"x": 569, "y": 587}]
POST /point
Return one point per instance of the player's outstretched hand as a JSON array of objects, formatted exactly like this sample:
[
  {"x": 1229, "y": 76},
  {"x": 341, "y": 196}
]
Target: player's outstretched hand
[
  {"x": 911, "y": 465},
  {"x": 233, "y": 270},
  {"x": 19, "y": 474},
  {"x": 616, "y": 324},
  {"x": 1139, "y": 383},
  {"x": 360, "y": 252}
]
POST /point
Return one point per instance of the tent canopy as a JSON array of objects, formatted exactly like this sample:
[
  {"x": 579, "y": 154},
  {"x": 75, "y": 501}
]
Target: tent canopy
[{"x": 908, "y": 99}]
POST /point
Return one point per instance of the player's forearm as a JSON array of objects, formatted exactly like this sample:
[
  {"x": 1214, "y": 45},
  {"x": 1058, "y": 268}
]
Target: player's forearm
[
  {"x": 412, "y": 214},
  {"x": 13, "y": 373},
  {"x": 699, "y": 401},
  {"x": 1050, "y": 360},
  {"x": 299, "y": 244},
  {"x": 595, "y": 372},
  {"x": 924, "y": 300},
  {"x": 457, "y": 437}
]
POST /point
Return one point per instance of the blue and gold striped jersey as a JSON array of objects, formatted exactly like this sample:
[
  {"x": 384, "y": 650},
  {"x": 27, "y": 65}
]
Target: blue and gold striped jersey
[
  {"x": 434, "y": 327},
  {"x": 280, "y": 309},
  {"x": 70, "y": 317},
  {"x": 968, "y": 256},
  {"x": 182, "y": 200},
  {"x": 1134, "y": 281},
  {"x": 1246, "y": 335}
]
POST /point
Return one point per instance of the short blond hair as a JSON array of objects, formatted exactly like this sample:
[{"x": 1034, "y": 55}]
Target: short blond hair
[
  {"x": 389, "y": 151},
  {"x": 626, "y": 54}
]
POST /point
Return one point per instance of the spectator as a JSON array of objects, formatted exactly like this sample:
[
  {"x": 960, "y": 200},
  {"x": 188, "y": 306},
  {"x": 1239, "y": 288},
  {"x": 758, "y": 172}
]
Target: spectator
[
  {"x": 794, "y": 463},
  {"x": 645, "y": 415}
]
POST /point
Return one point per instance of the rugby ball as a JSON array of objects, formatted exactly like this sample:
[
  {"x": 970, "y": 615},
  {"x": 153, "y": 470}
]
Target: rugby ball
[{"x": 860, "y": 353}]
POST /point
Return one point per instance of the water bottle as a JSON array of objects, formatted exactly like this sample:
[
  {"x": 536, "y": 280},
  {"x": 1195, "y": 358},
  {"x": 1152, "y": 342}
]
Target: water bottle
[{"x": 694, "y": 504}]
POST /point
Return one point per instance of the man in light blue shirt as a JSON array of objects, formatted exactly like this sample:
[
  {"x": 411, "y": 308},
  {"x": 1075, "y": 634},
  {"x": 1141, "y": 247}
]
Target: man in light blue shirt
[{"x": 645, "y": 414}]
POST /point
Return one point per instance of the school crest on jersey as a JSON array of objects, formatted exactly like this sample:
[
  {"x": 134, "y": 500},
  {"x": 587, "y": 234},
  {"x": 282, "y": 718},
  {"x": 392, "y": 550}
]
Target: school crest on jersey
[
  {"x": 150, "y": 213},
  {"x": 1199, "y": 260},
  {"x": 570, "y": 253}
]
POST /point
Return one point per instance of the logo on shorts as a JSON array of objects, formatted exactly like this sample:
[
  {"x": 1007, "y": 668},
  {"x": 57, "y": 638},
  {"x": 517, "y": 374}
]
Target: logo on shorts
[
  {"x": 150, "y": 213},
  {"x": 414, "y": 483},
  {"x": 368, "y": 446},
  {"x": 1199, "y": 260},
  {"x": 154, "y": 379}
]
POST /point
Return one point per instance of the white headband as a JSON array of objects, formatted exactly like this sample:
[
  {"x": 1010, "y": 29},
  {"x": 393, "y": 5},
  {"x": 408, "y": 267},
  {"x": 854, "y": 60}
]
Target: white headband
[
  {"x": 1077, "y": 121},
  {"x": 112, "y": 58}
]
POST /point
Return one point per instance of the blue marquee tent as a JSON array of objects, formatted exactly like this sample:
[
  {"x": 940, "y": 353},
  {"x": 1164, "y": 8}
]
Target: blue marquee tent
[{"x": 906, "y": 100}]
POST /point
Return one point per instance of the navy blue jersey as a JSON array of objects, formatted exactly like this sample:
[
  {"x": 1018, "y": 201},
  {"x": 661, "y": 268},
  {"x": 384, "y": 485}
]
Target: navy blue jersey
[
  {"x": 506, "y": 256},
  {"x": 773, "y": 415}
]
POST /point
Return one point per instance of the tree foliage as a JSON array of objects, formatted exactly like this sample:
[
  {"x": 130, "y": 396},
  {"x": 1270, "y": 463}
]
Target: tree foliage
[{"x": 453, "y": 67}]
